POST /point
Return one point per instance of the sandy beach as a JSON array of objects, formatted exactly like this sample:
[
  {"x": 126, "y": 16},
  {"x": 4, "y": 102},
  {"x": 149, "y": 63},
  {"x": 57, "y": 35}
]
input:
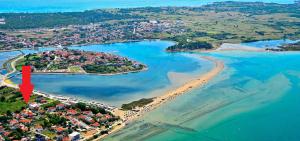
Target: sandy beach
[
  {"x": 128, "y": 116},
  {"x": 238, "y": 47}
]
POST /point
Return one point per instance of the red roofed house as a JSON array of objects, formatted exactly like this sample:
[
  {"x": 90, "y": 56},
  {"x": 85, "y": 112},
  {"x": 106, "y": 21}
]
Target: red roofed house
[
  {"x": 59, "y": 129},
  {"x": 60, "y": 106},
  {"x": 24, "y": 128},
  {"x": 108, "y": 116},
  {"x": 82, "y": 117},
  {"x": 1, "y": 129},
  {"x": 26, "y": 113},
  {"x": 99, "y": 115},
  {"x": 6, "y": 134},
  {"x": 89, "y": 119},
  {"x": 66, "y": 138},
  {"x": 89, "y": 113},
  {"x": 51, "y": 109},
  {"x": 13, "y": 122},
  {"x": 25, "y": 121},
  {"x": 71, "y": 112},
  {"x": 96, "y": 124},
  {"x": 43, "y": 101}
]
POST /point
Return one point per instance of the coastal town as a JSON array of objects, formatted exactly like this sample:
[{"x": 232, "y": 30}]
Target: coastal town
[
  {"x": 76, "y": 61},
  {"x": 87, "y": 34},
  {"x": 65, "y": 115},
  {"x": 193, "y": 28},
  {"x": 52, "y": 117},
  {"x": 49, "y": 119}
]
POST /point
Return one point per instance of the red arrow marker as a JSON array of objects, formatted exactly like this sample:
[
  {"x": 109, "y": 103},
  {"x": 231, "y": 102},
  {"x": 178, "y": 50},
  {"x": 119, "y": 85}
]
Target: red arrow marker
[{"x": 26, "y": 87}]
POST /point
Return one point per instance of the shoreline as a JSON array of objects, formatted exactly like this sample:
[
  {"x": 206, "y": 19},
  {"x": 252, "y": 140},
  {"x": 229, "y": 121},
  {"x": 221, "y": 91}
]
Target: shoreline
[
  {"x": 87, "y": 44},
  {"x": 131, "y": 115},
  {"x": 7, "y": 82},
  {"x": 82, "y": 73},
  {"x": 200, "y": 81},
  {"x": 128, "y": 116},
  {"x": 12, "y": 64}
]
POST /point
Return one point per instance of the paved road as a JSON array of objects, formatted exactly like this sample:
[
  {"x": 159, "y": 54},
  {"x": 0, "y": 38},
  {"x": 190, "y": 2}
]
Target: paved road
[{"x": 4, "y": 77}]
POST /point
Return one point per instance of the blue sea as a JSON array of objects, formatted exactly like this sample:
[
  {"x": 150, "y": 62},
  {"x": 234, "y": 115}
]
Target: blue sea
[
  {"x": 256, "y": 97},
  {"x": 42, "y": 6}
]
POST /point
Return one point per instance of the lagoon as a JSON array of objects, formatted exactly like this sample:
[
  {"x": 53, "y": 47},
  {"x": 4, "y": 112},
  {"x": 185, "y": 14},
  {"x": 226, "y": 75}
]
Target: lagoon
[{"x": 165, "y": 71}]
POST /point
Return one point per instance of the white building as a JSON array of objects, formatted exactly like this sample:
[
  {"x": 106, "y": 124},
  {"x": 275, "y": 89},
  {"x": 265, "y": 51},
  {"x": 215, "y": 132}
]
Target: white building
[
  {"x": 33, "y": 106},
  {"x": 75, "y": 136},
  {"x": 153, "y": 22},
  {"x": 2, "y": 21}
]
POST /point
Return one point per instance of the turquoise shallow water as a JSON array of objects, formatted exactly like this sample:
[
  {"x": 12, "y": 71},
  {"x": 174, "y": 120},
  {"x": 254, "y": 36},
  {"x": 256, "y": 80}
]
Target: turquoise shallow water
[
  {"x": 119, "y": 89},
  {"x": 4, "y": 57},
  {"x": 81, "y": 5},
  {"x": 270, "y": 43},
  {"x": 256, "y": 98}
]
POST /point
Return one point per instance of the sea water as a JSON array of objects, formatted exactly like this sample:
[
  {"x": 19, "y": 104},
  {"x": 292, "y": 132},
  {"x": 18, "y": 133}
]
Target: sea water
[
  {"x": 43, "y": 6},
  {"x": 163, "y": 74},
  {"x": 256, "y": 97},
  {"x": 270, "y": 43},
  {"x": 5, "y": 56}
]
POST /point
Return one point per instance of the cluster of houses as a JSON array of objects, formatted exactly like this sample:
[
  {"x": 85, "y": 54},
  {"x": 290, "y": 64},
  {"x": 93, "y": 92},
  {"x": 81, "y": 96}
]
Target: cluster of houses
[
  {"x": 64, "y": 59},
  {"x": 30, "y": 122},
  {"x": 78, "y": 57},
  {"x": 146, "y": 29},
  {"x": 89, "y": 34}
]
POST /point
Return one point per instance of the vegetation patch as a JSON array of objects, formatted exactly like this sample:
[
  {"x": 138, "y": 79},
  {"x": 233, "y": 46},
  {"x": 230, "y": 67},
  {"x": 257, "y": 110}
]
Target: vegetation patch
[
  {"x": 10, "y": 100},
  {"x": 291, "y": 47},
  {"x": 187, "y": 46},
  {"x": 139, "y": 103}
]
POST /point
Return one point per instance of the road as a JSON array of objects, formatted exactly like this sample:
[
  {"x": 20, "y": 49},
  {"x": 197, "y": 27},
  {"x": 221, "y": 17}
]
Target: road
[{"x": 4, "y": 78}]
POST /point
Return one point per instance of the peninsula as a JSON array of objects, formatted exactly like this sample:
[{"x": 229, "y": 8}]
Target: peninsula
[
  {"x": 291, "y": 47},
  {"x": 136, "y": 109},
  {"x": 189, "y": 46},
  {"x": 76, "y": 61}
]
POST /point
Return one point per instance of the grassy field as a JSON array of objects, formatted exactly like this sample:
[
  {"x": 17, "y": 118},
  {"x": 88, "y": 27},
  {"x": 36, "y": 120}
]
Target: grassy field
[
  {"x": 11, "y": 106},
  {"x": 235, "y": 27},
  {"x": 11, "y": 100},
  {"x": 75, "y": 69},
  {"x": 19, "y": 64},
  {"x": 48, "y": 133},
  {"x": 138, "y": 103}
]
